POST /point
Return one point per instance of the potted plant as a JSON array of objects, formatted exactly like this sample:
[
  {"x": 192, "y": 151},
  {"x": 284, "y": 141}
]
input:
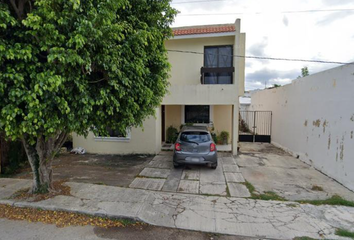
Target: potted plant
[{"x": 224, "y": 137}]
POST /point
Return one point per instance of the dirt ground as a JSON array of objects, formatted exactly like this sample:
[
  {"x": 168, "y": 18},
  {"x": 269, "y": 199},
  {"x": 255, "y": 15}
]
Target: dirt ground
[{"x": 113, "y": 170}]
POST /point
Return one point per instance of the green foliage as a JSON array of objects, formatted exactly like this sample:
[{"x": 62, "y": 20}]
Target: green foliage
[
  {"x": 77, "y": 66},
  {"x": 215, "y": 137},
  {"x": 171, "y": 134},
  {"x": 304, "y": 72},
  {"x": 334, "y": 200},
  {"x": 224, "y": 137},
  {"x": 269, "y": 195},
  {"x": 345, "y": 233}
]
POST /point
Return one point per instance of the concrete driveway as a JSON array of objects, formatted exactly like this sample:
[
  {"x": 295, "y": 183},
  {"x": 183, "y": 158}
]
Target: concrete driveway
[
  {"x": 263, "y": 165},
  {"x": 269, "y": 168},
  {"x": 266, "y": 167},
  {"x": 225, "y": 180}
]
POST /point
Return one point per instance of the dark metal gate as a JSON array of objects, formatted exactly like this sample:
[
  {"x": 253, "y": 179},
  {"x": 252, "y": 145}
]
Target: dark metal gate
[{"x": 255, "y": 126}]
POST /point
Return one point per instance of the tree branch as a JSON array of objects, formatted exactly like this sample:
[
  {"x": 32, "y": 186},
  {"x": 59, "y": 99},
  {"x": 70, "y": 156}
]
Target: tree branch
[{"x": 100, "y": 80}]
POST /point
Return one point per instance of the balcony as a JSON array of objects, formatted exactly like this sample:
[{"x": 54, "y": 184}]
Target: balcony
[{"x": 217, "y": 75}]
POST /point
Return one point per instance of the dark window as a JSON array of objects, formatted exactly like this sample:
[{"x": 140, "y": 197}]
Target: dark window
[
  {"x": 218, "y": 57},
  {"x": 114, "y": 133},
  {"x": 197, "y": 137},
  {"x": 197, "y": 114}
]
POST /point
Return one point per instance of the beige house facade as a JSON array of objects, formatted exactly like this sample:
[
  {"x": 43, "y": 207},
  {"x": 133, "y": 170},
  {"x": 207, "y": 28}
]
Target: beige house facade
[{"x": 206, "y": 81}]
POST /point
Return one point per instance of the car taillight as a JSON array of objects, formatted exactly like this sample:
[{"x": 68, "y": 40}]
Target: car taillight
[
  {"x": 212, "y": 147},
  {"x": 177, "y": 146}
]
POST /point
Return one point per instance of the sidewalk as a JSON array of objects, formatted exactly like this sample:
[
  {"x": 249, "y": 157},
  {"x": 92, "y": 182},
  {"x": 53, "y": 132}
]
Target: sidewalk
[{"x": 237, "y": 216}]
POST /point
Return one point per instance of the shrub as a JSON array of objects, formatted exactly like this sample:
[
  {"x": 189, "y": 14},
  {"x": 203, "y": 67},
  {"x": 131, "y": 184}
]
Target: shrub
[
  {"x": 215, "y": 137},
  {"x": 171, "y": 134},
  {"x": 224, "y": 137}
]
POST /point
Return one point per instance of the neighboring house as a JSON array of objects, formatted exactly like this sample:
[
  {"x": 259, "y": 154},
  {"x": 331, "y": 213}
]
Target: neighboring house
[
  {"x": 245, "y": 101},
  {"x": 204, "y": 89}
]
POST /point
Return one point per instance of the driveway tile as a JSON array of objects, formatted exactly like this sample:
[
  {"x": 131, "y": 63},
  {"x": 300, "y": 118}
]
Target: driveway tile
[
  {"x": 213, "y": 188},
  {"x": 234, "y": 177},
  {"x": 155, "y": 172},
  {"x": 191, "y": 174},
  {"x": 147, "y": 183},
  {"x": 187, "y": 186},
  {"x": 238, "y": 190},
  {"x": 231, "y": 168}
]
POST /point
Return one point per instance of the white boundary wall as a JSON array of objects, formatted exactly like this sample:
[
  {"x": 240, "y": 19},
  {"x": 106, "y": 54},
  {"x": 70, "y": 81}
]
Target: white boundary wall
[{"x": 313, "y": 118}]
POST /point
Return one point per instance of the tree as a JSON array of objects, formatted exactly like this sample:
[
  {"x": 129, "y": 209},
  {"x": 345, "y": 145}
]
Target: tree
[
  {"x": 304, "y": 72},
  {"x": 78, "y": 66}
]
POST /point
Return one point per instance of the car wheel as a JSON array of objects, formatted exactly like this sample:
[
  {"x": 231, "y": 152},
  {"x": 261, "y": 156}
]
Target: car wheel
[
  {"x": 214, "y": 166},
  {"x": 175, "y": 165}
]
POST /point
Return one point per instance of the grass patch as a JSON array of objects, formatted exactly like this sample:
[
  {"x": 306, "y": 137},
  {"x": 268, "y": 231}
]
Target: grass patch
[
  {"x": 334, "y": 200},
  {"x": 344, "y": 233},
  {"x": 269, "y": 195},
  {"x": 316, "y": 188},
  {"x": 228, "y": 191}
]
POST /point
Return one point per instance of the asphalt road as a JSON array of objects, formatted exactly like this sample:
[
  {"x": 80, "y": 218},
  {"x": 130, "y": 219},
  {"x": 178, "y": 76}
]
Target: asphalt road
[{"x": 23, "y": 230}]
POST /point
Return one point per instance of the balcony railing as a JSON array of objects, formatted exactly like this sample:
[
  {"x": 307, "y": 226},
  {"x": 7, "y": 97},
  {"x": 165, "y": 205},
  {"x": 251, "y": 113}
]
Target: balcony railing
[{"x": 217, "y": 73}]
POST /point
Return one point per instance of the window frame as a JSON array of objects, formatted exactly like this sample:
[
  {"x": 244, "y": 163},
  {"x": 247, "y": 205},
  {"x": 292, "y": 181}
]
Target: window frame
[
  {"x": 185, "y": 115},
  {"x": 218, "y": 70},
  {"x": 127, "y": 138}
]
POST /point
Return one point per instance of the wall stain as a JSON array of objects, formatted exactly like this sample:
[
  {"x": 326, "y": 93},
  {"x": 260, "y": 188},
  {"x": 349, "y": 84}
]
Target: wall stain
[
  {"x": 334, "y": 83},
  {"x": 317, "y": 123},
  {"x": 351, "y": 134},
  {"x": 342, "y": 149},
  {"x": 305, "y": 123},
  {"x": 325, "y": 124},
  {"x": 352, "y": 118},
  {"x": 329, "y": 141}
]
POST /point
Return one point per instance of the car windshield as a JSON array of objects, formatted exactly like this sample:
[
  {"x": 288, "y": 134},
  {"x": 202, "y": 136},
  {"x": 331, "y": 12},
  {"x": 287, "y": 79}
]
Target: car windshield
[{"x": 197, "y": 137}]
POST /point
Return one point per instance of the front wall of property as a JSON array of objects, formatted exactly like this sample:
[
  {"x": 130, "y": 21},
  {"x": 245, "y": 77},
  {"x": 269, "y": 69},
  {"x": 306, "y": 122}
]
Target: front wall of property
[
  {"x": 223, "y": 119},
  {"x": 144, "y": 140},
  {"x": 313, "y": 118}
]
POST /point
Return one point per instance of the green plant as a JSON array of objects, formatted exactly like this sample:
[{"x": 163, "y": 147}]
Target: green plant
[
  {"x": 215, "y": 137},
  {"x": 224, "y": 137},
  {"x": 79, "y": 66},
  {"x": 171, "y": 134},
  {"x": 334, "y": 200},
  {"x": 345, "y": 233}
]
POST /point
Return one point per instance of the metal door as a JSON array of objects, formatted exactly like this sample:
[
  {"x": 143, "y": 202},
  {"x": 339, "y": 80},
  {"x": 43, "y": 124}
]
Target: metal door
[{"x": 255, "y": 126}]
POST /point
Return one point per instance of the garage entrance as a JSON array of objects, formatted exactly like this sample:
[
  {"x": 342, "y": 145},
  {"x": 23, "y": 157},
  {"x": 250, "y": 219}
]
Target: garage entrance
[{"x": 255, "y": 126}]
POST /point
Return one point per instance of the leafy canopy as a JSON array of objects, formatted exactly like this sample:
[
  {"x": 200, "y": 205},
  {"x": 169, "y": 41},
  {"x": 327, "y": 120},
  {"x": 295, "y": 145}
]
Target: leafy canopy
[{"x": 75, "y": 66}]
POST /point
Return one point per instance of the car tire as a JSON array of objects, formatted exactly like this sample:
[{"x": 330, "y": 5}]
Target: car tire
[
  {"x": 214, "y": 166},
  {"x": 175, "y": 165}
]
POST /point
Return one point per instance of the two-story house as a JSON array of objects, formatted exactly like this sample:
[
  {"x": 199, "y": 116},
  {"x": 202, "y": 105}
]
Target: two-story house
[{"x": 207, "y": 78}]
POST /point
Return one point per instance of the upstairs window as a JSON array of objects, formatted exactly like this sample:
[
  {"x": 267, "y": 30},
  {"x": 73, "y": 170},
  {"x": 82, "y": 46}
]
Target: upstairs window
[{"x": 218, "y": 65}]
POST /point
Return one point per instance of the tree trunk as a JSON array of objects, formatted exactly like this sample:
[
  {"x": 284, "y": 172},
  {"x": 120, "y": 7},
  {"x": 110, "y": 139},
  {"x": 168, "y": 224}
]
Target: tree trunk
[{"x": 40, "y": 156}]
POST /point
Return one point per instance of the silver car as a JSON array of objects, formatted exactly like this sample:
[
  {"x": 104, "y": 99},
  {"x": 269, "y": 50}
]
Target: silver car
[{"x": 195, "y": 145}]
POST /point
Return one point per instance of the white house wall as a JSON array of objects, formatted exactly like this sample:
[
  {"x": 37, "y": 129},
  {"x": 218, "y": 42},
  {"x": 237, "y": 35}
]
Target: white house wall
[
  {"x": 313, "y": 118},
  {"x": 145, "y": 140}
]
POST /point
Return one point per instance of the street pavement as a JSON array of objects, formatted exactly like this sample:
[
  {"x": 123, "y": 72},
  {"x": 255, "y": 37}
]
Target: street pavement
[{"x": 214, "y": 214}]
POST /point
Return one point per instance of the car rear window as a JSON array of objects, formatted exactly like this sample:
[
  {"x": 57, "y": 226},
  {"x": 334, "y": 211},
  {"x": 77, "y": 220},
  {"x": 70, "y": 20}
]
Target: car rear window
[{"x": 198, "y": 137}]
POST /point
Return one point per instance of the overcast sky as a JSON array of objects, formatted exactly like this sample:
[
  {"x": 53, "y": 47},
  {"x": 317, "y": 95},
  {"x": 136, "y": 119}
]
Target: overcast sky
[{"x": 270, "y": 32}]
